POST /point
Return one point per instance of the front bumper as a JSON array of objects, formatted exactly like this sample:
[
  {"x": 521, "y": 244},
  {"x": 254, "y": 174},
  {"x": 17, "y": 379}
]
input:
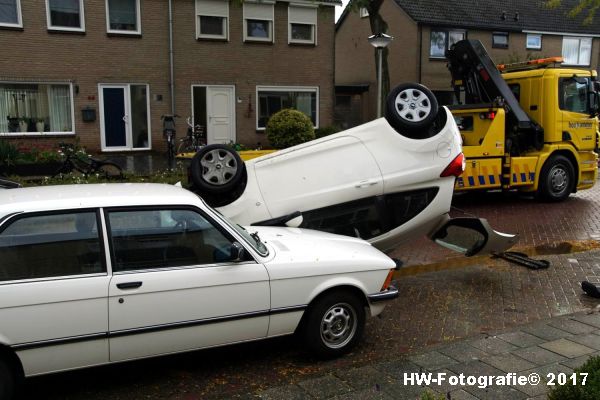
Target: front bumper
[{"x": 390, "y": 294}]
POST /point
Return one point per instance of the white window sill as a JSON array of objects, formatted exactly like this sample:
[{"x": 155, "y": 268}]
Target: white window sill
[
  {"x": 65, "y": 29},
  {"x": 36, "y": 134}
]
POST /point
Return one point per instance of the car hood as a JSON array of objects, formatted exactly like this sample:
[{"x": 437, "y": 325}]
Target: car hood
[{"x": 301, "y": 252}]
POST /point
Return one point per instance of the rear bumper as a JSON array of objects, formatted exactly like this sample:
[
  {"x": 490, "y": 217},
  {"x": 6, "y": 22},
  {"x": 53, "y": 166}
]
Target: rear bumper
[{"x": 390, "y": 294}]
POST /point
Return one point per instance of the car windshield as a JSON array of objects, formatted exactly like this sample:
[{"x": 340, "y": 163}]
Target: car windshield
[{"x": 251, "y": 238}]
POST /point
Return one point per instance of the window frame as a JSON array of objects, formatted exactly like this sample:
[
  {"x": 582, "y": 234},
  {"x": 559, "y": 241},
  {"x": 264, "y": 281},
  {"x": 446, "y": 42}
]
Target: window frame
[
  {"x": 537, "y": 35},
  {"x": 291, "y": 22},
  {"x": 19, "y": 23},
  {"x": 138, "y": 22},
  {"x": 270, "y": 22},
  {"x": 562, "y": 80},
  {"x": 53, "y": 133},
  {"x": 308, "y": 89},
  {"x": 198, "y": 15},
  {"x": 66, "y": 28},
  {"x": 447, "y": 33},
  {"x": 579, "y": 39},
  {"x": 209, "y": 218},
  {"x": 101, "y": 236},
  {"x": 500, "y": 45}
]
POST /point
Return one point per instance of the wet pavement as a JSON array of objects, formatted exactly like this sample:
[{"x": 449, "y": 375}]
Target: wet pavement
[{"x": 442, "y": 303}]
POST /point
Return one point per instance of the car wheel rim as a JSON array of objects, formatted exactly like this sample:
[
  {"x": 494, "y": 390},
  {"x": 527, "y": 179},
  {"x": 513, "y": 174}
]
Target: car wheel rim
[
  {"x": 559, "y": 180},
  {"x": 218, "y": 167},
  {"x": 413, "y": 105},
  {"x": 338, "y": 325}
]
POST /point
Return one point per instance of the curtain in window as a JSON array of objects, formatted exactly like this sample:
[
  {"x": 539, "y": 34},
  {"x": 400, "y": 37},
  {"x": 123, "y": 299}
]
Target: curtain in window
[
  {"x": 123, "y": 15},
  {"x": 9, "y": 12},
  {"x": 585, "y": 51},
  {"x": 304, "y": 103},
  {"x": 59, "y": 100},
  {"x": 571, "y": 50},
  {"x": 64, "y": 13},
  {"x": 4, "y": 109}
]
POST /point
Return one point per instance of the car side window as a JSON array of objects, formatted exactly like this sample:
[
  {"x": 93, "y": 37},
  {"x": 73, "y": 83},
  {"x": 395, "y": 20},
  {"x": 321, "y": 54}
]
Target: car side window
[
  {"x": 51, "y": 245},
  {"x": 149, "y": 239}
]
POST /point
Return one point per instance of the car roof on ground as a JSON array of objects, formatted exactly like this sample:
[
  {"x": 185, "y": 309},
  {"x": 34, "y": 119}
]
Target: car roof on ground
[{"x": 92, "y": 195}]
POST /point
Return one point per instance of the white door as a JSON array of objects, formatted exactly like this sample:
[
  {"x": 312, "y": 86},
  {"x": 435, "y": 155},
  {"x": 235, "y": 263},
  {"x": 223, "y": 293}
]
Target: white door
[
  {"x": 173, "y": 288},
  {"x": 220, "y": 114}
]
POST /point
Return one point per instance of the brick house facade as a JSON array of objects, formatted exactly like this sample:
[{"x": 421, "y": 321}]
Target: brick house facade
[
  {"x": 99, "y": 70},
  {"x": 511, "y": 31}
]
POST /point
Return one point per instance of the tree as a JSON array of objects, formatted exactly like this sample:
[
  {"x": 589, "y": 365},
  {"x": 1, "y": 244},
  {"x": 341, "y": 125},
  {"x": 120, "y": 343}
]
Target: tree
[
  {"x": 591, "y": 6},
  {"x": 378, "y": 25}
]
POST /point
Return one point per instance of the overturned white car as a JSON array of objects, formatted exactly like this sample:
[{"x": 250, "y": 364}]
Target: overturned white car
[{"x": 386, "y": 181}]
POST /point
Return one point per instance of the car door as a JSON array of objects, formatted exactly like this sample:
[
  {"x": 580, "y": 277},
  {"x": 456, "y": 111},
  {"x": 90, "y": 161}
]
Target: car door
[
  {"x": 53, "y": 288},
  {"x": 174, "y": 287}
]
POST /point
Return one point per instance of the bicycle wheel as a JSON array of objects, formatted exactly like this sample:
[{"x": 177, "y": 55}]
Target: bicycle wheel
[
  {"x": 110, "y": 170},
  {"x": 185, "y": 146}
]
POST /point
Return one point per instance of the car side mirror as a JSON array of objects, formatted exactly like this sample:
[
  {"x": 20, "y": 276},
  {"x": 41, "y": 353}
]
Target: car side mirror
[{"x": 237, "y": 252}]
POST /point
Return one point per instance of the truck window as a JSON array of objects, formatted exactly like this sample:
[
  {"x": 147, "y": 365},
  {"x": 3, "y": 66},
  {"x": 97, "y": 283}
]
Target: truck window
[
  {"x": 516, "y": 89},
  {"x": 573, "y": 95}
]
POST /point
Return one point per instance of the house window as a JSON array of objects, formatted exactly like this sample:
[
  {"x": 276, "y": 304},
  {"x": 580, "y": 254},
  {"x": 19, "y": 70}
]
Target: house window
[
  {"x": 534, "y": 42},
  {"x": 65, "y": 15},
  {"x": 35, "y": 108},
  {"x": 274, "y": 98},
  {"x": 577, "y": 51},
  {"x": 302, "y": 24},
  {"x": 500, "y": 40},
  {"x": 10, "y": 13},
  {"x": 211, "y": 18},
  {"x": 258, "y": 21},
  {"x": 123, "y": 16},
  {"x": 442, "y": 40}
]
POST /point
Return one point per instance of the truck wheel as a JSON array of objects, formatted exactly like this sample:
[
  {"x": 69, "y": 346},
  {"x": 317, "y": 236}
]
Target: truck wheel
[
  {"x": 334, "y": 324},
  {"x": 7, "y": 381},
  {"x": 217, "y": 168},
  {"x": 557, "y": 179},
  {"x": 411, "y": 108}
]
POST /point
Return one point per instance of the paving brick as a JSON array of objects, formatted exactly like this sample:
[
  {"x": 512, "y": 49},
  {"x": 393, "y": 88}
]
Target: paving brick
[
  {"x": 578, "y": 361},
  {"x": 508, "y": 363},
  {"x": 463, "y": 352},
  {"x": 475, "y": 368},
  {"x": 544, "y": 331},
  {"x": 571, "y": 326},
  {"x": 325, "y": 387},
  {"x": 288, "y": 392},
  {"x": 399, "y": 391},
  {"x": 432, "y": 360},
  {"x": 538, "y": 356},
  {"x": 567, "y": 348},
  {"x": 521, "y": 339},
  {"x": 364, "y": 378},
  {"x": 590, "y": 340},
  {"x": 496, "y": 393},
  {"x": 590, "y": 319},
  {"x": 461, "y": 395},
  {"x": 365, "y": 394},
  {"x": 397, "y": 368},
  {"x": 493, "y": 345}
]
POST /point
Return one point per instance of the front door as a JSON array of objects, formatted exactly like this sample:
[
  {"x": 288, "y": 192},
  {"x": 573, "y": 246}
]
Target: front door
[
  {"x": 124, "y": 117},
  {"x": 213, "y": 107}
]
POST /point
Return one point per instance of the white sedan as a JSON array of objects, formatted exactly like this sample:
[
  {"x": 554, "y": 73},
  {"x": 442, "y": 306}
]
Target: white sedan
[{"x": 98, "y": 274}]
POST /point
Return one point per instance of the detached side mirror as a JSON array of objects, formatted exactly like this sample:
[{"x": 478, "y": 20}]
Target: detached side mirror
[{"x": 237, "y": 252}]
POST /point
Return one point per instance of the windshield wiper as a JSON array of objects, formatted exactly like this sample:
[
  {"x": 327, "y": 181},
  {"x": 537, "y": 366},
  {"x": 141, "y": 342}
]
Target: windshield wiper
[{"x": 255, "y": 236}]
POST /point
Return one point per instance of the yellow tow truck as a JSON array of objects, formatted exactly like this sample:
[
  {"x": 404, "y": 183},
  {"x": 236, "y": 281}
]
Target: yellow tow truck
[{"x": 530, "y": 126}]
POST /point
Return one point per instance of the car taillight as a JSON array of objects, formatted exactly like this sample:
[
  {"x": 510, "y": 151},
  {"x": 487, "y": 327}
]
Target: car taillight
[
  {"x": 456, "y": 167},
  {"x": 388, "y": 280}
]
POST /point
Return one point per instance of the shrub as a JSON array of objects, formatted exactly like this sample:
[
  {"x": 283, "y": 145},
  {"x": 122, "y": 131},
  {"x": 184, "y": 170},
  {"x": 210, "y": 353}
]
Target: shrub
[
  {"x": 288, "y": 128},
  {"x": 326, "y": 131},
  {"x": 9, "y": 153},
  {"x": 591, "y": 390}
]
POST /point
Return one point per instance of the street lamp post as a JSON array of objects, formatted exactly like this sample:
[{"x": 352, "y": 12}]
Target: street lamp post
[{"x": 379, "y": 41}]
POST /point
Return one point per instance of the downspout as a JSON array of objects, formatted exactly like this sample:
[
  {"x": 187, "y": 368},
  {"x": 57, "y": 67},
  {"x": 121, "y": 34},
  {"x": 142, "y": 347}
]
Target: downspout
[
  {"x": 171, "y": 66},
  {"x": 420, "y": 56}
]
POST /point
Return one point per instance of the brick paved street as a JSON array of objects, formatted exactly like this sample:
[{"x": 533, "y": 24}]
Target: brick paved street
[{"x": 442, "y": 305}]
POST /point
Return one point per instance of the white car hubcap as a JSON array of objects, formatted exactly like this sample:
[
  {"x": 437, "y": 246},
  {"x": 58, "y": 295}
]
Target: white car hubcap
[
  {"x": 218, "y": 167},
  {"x": 338, "y": 325},
  {"x": 413, "y": 105}
]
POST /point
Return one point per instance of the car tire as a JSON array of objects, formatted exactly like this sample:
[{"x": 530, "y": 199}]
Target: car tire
[
  {"x": 334, "y": 324},
  {"x": 7, "y": 381},
  {"x": 411, "y": 109},
  {"x": 216, "y": 168},
  {"x": 557, "y": 179}
]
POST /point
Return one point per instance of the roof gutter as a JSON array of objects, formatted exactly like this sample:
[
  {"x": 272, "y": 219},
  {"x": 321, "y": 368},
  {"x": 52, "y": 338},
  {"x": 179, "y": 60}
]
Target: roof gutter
[{"x": 171, "y": 66}]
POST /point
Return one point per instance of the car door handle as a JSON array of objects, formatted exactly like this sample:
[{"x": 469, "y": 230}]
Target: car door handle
[
  {"x": 129, "y": 285},
  {"x": 366, "y": 183}
]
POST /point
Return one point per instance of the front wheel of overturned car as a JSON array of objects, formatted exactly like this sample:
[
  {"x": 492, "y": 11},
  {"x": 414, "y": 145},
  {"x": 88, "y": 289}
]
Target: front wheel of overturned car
[
  {"x": 217, "y": 168},
  {"x": 334, "y": 324},
  {"x": 411, "y": 109},
  {"x": 557, "y": 179},
  {"x": 7, "y": 381}
]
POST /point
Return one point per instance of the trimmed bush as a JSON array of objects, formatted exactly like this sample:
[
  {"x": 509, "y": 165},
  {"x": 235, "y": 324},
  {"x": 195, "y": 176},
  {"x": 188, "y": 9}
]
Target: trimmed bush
[
  {"x": 288, "y": 128},
  {"x": 591, "y": 390},
  {"x": 326, "y": 131}
]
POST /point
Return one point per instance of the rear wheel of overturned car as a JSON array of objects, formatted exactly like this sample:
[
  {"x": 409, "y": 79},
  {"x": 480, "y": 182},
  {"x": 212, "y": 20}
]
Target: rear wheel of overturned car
[
  {"x": 411, "y": 109},
  {"x": 334, "y": 324},
  {"x": 216, "y": 168},
  {"x": 7, "y": 381},
  {"x": 557, "y": 179}
]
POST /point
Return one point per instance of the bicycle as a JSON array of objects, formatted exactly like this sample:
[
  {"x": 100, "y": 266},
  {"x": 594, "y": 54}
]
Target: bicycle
[
  {"x": 194, "y": 140},
  {"x": 169, "y": 134},
  {"x": 79, "y": 161}
]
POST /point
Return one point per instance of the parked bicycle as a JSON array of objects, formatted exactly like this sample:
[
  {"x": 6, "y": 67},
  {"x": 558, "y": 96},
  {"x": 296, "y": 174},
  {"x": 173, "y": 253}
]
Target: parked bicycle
[
  {"x": 194, "y": 140},
  {"x": 80, "y": 162},
  {"x": 169, "y": 134}
]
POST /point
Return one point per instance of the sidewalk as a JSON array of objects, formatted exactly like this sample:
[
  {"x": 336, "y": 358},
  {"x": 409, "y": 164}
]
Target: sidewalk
[{"x": 556, "y": 345}]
